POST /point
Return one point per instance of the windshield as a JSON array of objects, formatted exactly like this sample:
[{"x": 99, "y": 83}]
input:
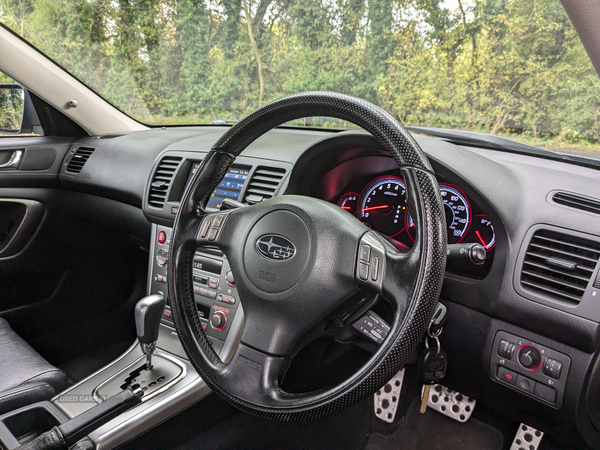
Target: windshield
[{"x": 513, "y": 68}]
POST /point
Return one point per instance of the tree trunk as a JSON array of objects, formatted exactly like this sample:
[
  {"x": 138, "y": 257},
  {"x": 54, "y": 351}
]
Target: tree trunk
[{"x": 261, "y": 80}]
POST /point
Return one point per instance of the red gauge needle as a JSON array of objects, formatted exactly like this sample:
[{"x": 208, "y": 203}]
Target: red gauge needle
[
  {"x": 480, "y": 238},
  {"x": 374, "y": 207},
  {"x": 345, "y": 207}
]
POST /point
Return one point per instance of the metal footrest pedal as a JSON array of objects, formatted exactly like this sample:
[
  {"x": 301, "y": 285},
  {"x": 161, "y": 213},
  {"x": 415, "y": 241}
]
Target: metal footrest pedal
[
  {"x": 450, "y": 403},
  {"x": 388, "y": 397},
  {"x": 527, "y": 438}
]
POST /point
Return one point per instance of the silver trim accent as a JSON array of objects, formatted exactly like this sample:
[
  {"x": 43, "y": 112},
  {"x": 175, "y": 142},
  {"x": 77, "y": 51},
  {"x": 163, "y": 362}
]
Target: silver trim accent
[
  {"x": 14, "y": 160},
  {"x": 130, "y": 367}
]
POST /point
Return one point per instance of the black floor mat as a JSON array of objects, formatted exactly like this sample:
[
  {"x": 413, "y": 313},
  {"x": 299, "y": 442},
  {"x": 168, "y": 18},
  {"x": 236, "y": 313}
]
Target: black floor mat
[
  {"x": 352, "y": 429},
  {"x": 434, "y": 431},
  {"x": 79, "y": 368}
]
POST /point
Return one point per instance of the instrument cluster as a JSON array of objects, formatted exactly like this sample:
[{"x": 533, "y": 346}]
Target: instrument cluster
[{"x": 381, "y": 204}]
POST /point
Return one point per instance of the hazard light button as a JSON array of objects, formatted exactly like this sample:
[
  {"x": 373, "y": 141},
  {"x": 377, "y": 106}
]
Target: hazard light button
[{"x": 508, "y": 376}]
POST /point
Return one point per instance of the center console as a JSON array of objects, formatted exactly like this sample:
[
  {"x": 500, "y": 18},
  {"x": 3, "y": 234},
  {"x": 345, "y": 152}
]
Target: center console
[{"x": 215, "y": 292}]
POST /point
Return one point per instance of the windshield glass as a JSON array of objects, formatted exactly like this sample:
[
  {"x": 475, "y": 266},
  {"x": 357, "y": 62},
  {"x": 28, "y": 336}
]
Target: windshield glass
[{"x": 513, "y": 68}]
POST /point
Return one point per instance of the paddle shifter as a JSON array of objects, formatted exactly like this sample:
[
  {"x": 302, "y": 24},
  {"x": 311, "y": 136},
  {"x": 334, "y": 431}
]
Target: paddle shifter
[{"x": 148, "y": 313}]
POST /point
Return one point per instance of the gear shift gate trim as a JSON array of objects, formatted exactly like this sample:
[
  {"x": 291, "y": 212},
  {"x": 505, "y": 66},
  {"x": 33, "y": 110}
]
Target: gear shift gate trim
[{"x": 124, "y": 376}]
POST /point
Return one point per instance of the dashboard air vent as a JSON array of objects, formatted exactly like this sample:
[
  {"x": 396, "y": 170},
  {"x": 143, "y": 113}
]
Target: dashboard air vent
[
  {"x": 577, "y": 201},
  {"x": 558, "y": 265},
  {"x": 264, "y": 183},
  {"x": 161, "y": 180},
  {"x": 79, "y": 158}
]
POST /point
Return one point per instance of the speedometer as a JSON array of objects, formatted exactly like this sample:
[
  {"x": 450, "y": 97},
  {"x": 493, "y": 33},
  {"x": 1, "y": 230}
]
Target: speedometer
[
  {"x": 458, "y": 212},
  {"x": 382, "y": 205}
]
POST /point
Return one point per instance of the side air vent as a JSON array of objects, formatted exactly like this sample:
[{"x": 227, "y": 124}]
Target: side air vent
[
  {"x": 79, "y": 158},
  {"x": 264, "y": 183},
  {"x": 558, "y": 265},
  {"x": 161, "y": 180},
  {"x": 588, "y": 204}
]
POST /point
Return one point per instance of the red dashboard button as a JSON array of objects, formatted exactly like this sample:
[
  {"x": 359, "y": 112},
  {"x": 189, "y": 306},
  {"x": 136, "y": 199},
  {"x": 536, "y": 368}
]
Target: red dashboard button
[{"x": 162, "y": 237}]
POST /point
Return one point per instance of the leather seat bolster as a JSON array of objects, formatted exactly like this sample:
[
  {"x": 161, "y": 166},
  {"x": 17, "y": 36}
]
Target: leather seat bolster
[
  {"x": 25, "y": 377},
  {"x": 24, "y": 394}
]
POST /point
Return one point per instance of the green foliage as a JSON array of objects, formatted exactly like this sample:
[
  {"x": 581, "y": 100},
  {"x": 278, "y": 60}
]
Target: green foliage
[
  {"x": 496, "y": 66},
  {"x": 11, "y": 109}
]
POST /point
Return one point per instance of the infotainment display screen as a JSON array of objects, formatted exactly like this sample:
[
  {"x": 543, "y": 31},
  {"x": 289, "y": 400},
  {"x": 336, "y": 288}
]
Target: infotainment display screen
[{"x": 230, "y": 187}]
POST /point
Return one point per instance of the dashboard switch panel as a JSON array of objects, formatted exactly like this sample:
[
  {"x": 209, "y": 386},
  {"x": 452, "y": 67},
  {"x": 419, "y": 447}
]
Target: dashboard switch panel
[{"x": 530, "y": 368}]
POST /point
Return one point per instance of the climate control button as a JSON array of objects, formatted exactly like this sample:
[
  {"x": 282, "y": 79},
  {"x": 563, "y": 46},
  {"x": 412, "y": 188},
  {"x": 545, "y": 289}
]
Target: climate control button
[
  {"x": 162, "y": 257},
  {"x": 529, "y": 357},
  {"x": 218, "y": 321}
]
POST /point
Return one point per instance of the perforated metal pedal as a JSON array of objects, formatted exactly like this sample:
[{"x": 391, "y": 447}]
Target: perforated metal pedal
[
  {"x": 527, "y": 438},
  {"x": 387, "y": 398},
  {"x": 450, "y": 403}
]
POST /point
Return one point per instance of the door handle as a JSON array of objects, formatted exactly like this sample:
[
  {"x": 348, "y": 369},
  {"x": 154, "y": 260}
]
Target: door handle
[{"x": 14, "y": 160}]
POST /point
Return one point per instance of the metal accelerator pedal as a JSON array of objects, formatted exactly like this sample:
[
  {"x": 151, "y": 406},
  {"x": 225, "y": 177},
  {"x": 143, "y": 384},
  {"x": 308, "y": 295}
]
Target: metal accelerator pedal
[
  {"x": 527, "y": 438},
  {"x": 388, "y": 397},
  {"x": 450, "y": 403}
]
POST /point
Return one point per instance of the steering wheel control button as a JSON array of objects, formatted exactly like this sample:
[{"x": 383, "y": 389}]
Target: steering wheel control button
[
  {"x": 218, "y": 220},
  {"x": 508, "y": 376},
  {"x": 365, "y": 252},
  {"x": 545, "y": 392},
  {"x": 525, "y": 383},
  {"x": 529, "y": 357},
  {"x": 204, "y": 228},
  {"x": 371, "y": 257},
  {"x": 363, "y": 271},
  {"x": 505, "y": 349},
  {"x": 162, "y": 237},
  {"x": 375, "y": 268},
  {"x": 212, "y": 234},
  {"x": 552, "y": 368},
  {"x": 218, "y": 321},
  {"x": 162, "y": 257}
]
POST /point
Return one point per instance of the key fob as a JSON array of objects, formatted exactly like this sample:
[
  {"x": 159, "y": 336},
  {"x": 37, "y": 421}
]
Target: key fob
[{"x": 432, "y": 366}]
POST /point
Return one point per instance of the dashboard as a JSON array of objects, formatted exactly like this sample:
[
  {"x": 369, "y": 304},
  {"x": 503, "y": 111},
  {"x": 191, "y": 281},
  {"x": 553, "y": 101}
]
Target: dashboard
[{"x": 504, "y": 202}]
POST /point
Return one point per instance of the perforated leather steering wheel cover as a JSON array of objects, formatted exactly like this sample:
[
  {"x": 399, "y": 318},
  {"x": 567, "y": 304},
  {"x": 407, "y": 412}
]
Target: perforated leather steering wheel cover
[{"x": 404, "y": 337}]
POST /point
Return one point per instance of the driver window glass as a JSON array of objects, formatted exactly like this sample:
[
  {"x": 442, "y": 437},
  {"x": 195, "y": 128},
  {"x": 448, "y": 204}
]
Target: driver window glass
[{"x": 12, "y": 109}]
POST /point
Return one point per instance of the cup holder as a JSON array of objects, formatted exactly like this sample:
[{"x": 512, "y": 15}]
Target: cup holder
[{"x": 25, "y": 424}]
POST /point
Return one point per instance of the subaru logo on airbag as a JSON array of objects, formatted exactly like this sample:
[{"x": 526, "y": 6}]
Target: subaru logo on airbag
[{"x": 277, "y": 247}]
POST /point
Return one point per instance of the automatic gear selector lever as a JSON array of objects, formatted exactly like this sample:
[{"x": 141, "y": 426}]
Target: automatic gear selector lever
[{"x": 148, "y": 312}]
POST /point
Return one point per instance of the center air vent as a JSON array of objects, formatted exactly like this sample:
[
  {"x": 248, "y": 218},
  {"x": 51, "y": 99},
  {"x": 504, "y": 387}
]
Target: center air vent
[
  {"x": 558, "y": 265},
  {"x": 264, "y": 183},
  {"x": 79, "y": 158},
  {"x": 588, "y": 204},
  {"x": 161, "y": 180}
]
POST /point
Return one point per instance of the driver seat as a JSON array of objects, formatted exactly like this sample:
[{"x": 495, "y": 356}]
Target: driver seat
[{"x": 25, "y": 377}]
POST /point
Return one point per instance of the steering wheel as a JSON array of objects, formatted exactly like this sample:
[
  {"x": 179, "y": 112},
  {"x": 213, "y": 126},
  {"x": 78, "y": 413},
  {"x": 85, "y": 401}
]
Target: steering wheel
[{"x": 296, "y": 259}]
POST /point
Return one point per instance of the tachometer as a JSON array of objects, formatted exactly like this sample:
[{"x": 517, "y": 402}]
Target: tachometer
[
  {"x": 458, "y": 212},
  {"x": 349, "y": 202},
  {"x": 382, "y": 205}
]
